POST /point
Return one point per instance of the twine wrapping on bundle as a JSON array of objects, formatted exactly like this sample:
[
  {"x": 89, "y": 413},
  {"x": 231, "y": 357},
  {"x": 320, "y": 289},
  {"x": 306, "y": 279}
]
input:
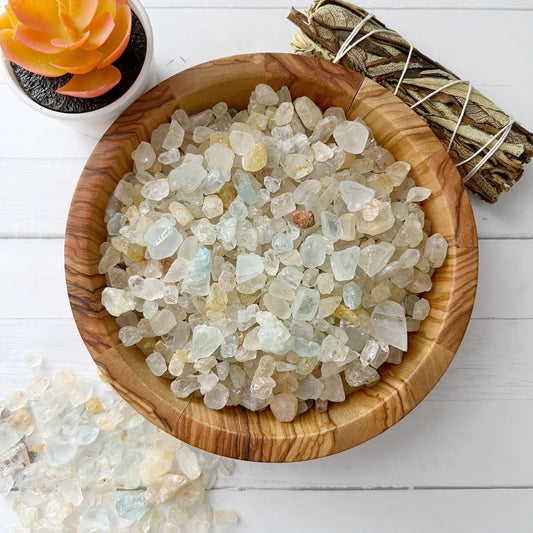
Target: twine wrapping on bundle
[{"x": 488, "y": 146}]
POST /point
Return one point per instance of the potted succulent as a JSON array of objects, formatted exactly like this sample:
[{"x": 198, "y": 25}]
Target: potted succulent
[{"x": 81, "y": 61}]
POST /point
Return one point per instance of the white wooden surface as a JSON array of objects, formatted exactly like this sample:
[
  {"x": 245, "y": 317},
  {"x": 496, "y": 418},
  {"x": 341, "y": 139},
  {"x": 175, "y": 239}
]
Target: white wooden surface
[{"x": 461, "y": 461}]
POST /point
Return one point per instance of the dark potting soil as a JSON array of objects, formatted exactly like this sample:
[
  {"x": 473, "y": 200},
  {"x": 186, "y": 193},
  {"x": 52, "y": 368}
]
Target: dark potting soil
[{"x": 43, "y": 90}]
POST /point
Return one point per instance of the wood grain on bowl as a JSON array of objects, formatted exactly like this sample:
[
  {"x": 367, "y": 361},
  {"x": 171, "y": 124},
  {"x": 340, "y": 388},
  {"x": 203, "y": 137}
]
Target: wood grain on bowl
[{"x": 235, "y": 431}]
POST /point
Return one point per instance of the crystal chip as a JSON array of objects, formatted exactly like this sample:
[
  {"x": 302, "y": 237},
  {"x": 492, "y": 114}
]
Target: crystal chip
[
  {"x": 373, "y": 258},
  {"x": 331, "y": 226},
  {"x": 297, "y": 166},
  {"x": 284, "y": 406},
  {"x": 388, "y": 324},
  {"x": 205, "y": 340},
  {"x": 156, "y": 463},
  {"x": 164, "y": 489},
  {"x": 143, "y": 156},
  {"x": 344, "y": 263},
  {"x": 60, "y": 452},
  {"x": 214, "y": 181},
  {"x": 282, "y": 205},
  {"x": 15, "y": 400},
  {"x": 418, "y": 194},
  {"x": 255, "y": 157},
  {"x": 308, "y": 112},
  {"x": 189, "y": 175},
  {"x": 156, "y": 363},
  {"x": 156, "y": 190},
  {"x": 95, "y": 519},
  {"x": 351, "y": 294},
  {"x": 356, "y": 374},
  {"x": 9, "y": 436},
  {"x": 266, "y": 95},
  {"x": 333, "y": 350},
  {"x": 132, "y": 505},
  {"x": 243, "y": 186},
  {"x": 355, "y": 195},
  {"x": 162, "y": 239},
  {"x": 188, "y": 463},
  {"x": 351, "y": 136},
  {"x": 275, "y": 338},
  {"x": 305, "y": 304},
  {"x": 22, "y": 421},
  {"x": 313, "y": 251},
  {"x": 421, "y": 309},
  {"x": 248, "y": 267},
  {"x": 217, "y": 397},
  {"x": 435, "y": 250}
]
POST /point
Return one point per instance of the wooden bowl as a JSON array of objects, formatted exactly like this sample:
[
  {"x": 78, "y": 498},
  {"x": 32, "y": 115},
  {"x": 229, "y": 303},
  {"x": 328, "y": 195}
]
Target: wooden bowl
[{"x": 235, "y": 431}]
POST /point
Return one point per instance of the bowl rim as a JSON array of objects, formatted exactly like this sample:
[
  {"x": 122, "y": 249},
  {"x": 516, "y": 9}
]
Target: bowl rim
[{"x": 237, "y": 432}]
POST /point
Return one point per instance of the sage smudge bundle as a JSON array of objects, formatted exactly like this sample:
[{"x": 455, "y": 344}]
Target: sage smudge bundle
[{"x": 488, "y": 146}]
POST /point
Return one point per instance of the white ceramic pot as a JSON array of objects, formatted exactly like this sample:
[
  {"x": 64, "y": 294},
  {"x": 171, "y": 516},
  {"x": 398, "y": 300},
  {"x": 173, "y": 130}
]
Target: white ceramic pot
[{"x": 94, "y": 123}]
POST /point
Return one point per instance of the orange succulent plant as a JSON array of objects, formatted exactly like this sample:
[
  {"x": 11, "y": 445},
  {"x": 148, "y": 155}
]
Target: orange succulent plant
[{"x": 79, "y": 37}]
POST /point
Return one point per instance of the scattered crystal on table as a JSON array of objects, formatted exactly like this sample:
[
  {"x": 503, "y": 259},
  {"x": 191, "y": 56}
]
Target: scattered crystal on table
[{"x": 93, "y": 464}]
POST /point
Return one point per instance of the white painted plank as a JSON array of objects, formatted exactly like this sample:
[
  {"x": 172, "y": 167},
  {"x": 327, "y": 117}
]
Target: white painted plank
[
  {"x": 268, "y": 30},
  {"x": 493, "y": 363},
  {"x": 400, "y": 511},
  {"x": 449, "y": 444},
  {"x": 33, "y": 281},
  {"x": 35, "y": 196},
  {"x": 26, "y": 133},
  {"x": 446, "y": 443},
  {"x": 482, "y": 405},
  {"x": 369, "y": 4},
  {"x": 33, "y": 284},
  {"x": 435, "y": 511},
  {"x": 505, "y": 287},
  {"x": 511, "y": 216},
  {"x": 57, "y": 341}
]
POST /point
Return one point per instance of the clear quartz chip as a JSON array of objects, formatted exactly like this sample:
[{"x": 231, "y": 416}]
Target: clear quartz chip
[
  {"x": 389, "y": 324},
  {"x": 355, "y": 195},
  {"x": 344, "y": 263},
  {"x": 305, "y": 305},
  {"x": 162, "y": 239},
  {"x": 351, "y": 136}
]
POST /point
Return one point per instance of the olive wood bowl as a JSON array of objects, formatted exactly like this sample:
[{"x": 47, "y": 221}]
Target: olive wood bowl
[{"x": 235, "y": 431}]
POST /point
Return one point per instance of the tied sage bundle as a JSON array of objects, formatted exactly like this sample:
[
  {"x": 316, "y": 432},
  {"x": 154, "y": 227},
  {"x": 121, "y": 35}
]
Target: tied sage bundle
[{"x": 488, "y": 147}]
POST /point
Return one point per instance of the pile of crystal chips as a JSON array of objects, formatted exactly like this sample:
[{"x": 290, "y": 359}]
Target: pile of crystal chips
[
  {"x": 87, "y": 462},
  {"x": 270, "y": 257}
]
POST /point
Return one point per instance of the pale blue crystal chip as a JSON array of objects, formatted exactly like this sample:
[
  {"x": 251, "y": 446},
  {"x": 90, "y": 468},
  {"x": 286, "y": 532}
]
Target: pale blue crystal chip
[{"x": 162, "y": 239}]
